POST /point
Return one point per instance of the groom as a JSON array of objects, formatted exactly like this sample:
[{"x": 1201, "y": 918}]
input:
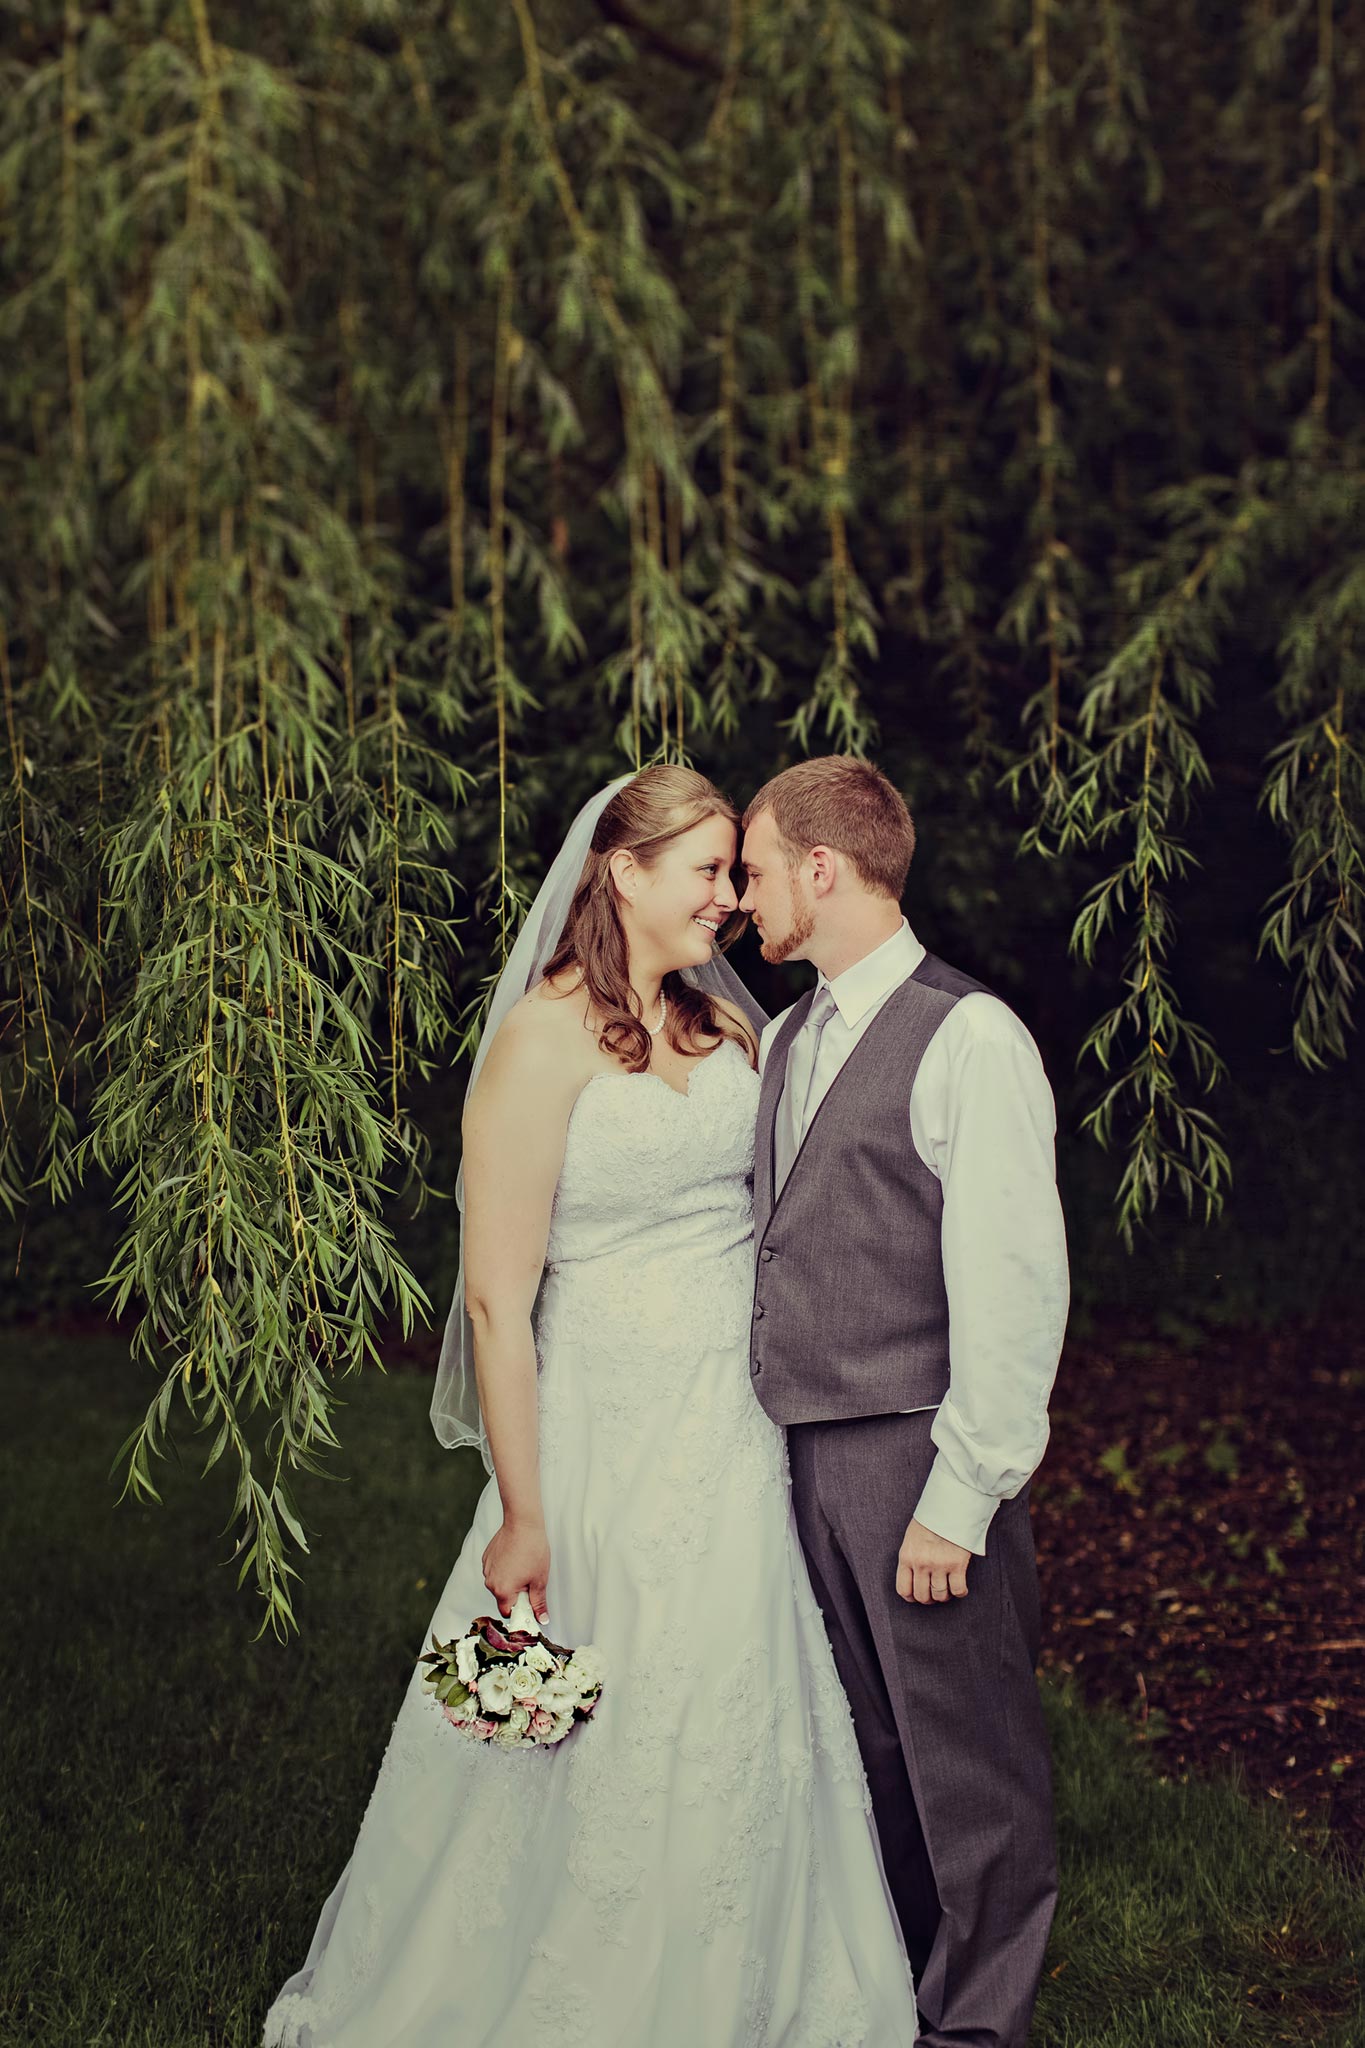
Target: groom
[{"x": 909, "y": 1307}]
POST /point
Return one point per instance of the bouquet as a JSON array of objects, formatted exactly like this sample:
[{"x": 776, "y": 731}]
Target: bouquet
[{"x": 505, "y": 1682}]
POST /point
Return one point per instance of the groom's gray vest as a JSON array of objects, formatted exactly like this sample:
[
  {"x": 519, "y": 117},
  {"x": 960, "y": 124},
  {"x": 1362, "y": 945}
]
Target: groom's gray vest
[{"x": 850, "y": 1309}]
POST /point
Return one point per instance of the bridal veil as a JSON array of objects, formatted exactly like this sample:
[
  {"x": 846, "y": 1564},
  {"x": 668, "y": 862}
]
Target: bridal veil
[{"x": 455, "y": 1415}]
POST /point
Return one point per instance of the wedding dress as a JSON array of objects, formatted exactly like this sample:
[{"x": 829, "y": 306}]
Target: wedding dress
[{"x": 697, "y": 1866}]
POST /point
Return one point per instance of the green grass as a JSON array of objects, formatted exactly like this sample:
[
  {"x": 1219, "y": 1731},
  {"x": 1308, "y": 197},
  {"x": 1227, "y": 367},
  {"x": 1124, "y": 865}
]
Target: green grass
[{"x": 179, "y": 1798}]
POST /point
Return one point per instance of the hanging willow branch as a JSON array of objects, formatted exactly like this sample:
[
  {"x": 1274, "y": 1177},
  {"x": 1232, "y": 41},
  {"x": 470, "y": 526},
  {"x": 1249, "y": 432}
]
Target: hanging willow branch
[
  {"x": 1315, "y": 783},
  {"x": 666, "y": 632},
  {"x": 1315, "y": 792},
  {"x": 259, "y": 978},
  {"x": 838, "y": 57},
  {"x": 1044, "y": 611},
  {"x": 1139, "y": 718},
  {"x": 727, "y": 564}
]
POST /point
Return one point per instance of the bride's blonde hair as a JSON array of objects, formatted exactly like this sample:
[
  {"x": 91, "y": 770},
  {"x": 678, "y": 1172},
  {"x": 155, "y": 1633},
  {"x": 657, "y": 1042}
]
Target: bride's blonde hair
[{"x": 657, "y": 806}]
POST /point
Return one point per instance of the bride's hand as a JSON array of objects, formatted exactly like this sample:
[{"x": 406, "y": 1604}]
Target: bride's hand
[{"x": 518, "y": 1558}]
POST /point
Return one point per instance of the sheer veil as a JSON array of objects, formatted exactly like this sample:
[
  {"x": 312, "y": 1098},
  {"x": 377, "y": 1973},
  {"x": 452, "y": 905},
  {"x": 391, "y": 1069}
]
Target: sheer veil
[{"x": 455, "y": 1413}]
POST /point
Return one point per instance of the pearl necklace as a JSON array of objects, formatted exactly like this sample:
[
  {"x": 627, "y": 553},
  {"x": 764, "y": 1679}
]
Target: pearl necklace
[{"x": 655, "y": 1029}]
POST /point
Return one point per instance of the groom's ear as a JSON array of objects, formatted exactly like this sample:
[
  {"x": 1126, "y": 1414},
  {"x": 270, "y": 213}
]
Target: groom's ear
[{"x": 824, "y": 868}]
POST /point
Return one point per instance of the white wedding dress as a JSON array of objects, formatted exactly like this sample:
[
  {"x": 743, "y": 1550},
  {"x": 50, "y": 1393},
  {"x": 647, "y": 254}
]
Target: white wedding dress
[{"x": 695, "y": 1867}]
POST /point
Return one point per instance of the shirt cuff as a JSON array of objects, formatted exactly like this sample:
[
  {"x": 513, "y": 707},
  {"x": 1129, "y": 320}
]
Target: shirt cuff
[{"x": 954, "y": 1510}]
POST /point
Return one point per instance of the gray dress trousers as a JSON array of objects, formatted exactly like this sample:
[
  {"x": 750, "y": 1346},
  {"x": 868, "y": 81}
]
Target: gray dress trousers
[{"x": 851, "y": 1326}]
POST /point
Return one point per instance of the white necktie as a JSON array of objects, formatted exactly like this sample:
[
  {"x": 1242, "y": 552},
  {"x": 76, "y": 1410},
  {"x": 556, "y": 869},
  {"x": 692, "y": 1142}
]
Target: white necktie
[{"x": 801, "y": 1058}]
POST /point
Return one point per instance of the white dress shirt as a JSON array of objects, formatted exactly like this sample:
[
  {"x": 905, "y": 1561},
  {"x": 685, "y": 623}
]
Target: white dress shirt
[{"x": 983, "y": 1120}]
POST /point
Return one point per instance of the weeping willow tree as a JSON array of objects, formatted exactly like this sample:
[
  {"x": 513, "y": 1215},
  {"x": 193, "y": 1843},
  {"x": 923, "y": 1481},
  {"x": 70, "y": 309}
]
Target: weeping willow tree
[{"x": 412, "y": 415}]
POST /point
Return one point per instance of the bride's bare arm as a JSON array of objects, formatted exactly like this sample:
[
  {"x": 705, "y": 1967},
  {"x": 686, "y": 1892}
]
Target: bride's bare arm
[{"x": 515, "y": 1124}]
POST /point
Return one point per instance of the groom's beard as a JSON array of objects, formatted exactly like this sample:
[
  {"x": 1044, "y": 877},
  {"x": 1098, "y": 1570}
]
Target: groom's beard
[{"x": 800, "y": 929}]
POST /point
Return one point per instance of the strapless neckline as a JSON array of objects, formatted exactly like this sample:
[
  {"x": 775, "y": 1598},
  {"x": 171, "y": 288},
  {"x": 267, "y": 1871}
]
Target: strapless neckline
[
  {"x": 646, "y": 1175},
  {"x": 683, "y": 1094}
]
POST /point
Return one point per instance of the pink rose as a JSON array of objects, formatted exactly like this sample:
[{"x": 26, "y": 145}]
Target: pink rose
[
  {"x": 541, "y": 1722},
  {"x": 483, "y": 1729},
  {"x": 458, "y": 1717}
]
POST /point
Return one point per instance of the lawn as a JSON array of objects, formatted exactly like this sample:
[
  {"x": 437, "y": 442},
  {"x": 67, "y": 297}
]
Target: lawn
[{"x": 179, "y": 1798}]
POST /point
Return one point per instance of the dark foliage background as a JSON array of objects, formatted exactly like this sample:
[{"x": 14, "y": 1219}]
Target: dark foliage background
[{"x": 412, "y": 416}]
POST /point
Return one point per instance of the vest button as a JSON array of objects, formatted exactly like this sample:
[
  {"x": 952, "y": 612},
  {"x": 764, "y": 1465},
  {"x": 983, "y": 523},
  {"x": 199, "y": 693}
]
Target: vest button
[
  {"x": 765, "y": 1256},
  {"x": 756, "y": 1368},
  {"x": 758, "y": 1310}
]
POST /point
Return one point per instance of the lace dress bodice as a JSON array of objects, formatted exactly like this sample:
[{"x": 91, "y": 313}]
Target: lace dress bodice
[
  {"x": 649, "y": 1171},
  {"x": 650, "y": 1252}
]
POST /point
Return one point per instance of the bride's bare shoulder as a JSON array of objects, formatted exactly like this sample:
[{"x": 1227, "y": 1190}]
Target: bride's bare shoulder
[
  {"x": 558, "y": 1005},
  {"x": 539, "y": 1057},
  {"x": 548, "y": 1022},
  {"x": 556, "y": 989}
]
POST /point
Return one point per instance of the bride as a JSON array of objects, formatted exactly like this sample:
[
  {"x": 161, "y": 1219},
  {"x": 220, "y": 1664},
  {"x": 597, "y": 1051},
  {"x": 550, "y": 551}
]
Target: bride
[{"x": 698, "y": 1863}]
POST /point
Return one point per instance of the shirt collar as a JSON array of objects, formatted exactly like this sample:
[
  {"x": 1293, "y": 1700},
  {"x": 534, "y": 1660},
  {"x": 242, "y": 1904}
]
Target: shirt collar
[{"x": 873, "y": 977}]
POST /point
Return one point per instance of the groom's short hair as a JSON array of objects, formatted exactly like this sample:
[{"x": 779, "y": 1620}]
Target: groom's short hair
[{"x": 840, "y": 801}]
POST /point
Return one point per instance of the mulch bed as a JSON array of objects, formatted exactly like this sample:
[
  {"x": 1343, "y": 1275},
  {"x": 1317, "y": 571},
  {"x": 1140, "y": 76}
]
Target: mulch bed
[{"x": 1202, "y": 1554}]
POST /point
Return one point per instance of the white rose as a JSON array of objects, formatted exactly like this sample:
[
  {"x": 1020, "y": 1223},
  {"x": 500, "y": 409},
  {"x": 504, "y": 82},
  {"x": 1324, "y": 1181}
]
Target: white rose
[
  {"x": 585, "y": 1669},
  {"x": 539, "y": 1658},
  {"x": 519, "y": 1719},
  {"x": 563, "y": 1723},
  {"x": 558, "y": 1696},
  {"x": 526, "y": 1680},
  {"x": 495, "y": 1688},
  {"x": 507, "y": 1736},
  {"x": 466, "y": 1660}
]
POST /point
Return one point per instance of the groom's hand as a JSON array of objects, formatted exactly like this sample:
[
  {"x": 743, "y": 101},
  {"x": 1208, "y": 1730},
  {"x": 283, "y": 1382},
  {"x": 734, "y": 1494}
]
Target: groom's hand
[{"x": 930, "y": 1567}]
